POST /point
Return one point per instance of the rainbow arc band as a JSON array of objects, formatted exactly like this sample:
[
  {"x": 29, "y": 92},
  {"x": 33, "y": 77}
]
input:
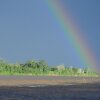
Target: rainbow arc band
[{"x": 71, "y": 30}]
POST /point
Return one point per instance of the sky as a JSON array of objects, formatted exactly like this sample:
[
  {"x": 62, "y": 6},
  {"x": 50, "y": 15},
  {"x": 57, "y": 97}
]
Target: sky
[{"x": 29, "y": 30}]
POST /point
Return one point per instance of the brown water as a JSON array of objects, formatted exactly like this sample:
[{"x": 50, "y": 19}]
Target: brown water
[{"x": 71, "y": 88}]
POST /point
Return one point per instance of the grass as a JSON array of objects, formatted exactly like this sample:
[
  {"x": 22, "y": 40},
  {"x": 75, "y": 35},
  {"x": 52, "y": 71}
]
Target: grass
[{"x": 50, "y": 73}]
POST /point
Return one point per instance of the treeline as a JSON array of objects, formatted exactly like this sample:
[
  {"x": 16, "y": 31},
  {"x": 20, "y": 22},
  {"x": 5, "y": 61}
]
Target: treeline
[
  {"x": 30, "y": 67},
  {"x": 40, "y": 67}
]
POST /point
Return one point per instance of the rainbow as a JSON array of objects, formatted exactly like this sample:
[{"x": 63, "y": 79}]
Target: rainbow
[{"x": 71, "y": 29}]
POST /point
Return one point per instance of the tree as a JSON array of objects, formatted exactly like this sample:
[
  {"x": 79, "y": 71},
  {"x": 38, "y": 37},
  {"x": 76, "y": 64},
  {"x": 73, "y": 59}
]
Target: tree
[
  {"x": 30, "y": 64},
  {"x": 42, "y": 65}
]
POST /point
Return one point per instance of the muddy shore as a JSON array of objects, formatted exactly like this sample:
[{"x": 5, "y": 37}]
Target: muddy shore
[{"x": 46, "y": 80}]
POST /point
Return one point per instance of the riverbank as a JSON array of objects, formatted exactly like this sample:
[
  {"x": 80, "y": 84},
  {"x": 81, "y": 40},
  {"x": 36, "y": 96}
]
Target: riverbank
[{"x": 46, "y": 80}]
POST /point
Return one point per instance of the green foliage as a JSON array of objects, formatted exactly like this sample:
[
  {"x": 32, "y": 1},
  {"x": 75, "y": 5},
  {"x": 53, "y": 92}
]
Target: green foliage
[{"x": 40, "y": 67}]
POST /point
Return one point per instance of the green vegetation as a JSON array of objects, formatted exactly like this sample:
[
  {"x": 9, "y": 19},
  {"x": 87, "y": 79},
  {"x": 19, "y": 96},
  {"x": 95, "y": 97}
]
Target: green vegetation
[{"x": 40, "y": 67}]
